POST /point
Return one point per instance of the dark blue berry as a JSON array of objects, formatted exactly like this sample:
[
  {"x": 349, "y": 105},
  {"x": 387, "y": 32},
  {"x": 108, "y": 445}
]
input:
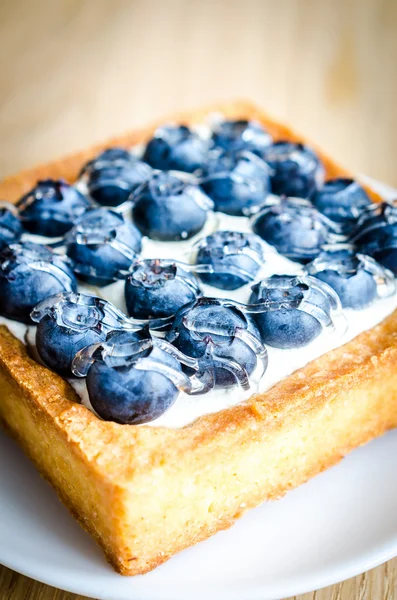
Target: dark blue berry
[
  {"x": 169, "y": 209},
  {"x": 210, "y": 326},
  {"x": 158, "y": 288},
  {"x": 28, "y": 274},
  {"x": 342, "y": 201},
  {"x": 102, "y": 245},
  {"x": 348, "y": 274},
  {"x": 113, "y": 175},
  {"x": 376, "y": 234},
  {"x": 239, "y": 135},
  {"x": 120, "y": 392},
  {"x": 237, "y": 183},
  {"x": 69, "y": 322},
  {"x": 296, "y": 169},
  {"x": 58, "y": 345},
  {"x": 111, "y": 156},
  {"x": 176, "y": 147},
  {"x": 296, "y": 230},
  {"x": 10, "y": 227},
  {"x": 111, "y": 185},
  {"x": 284, "y": 324},
  {"x": 234, "y": 257},
  {"x": 354, "y": 277},
  {"x": 387, "y": 256},
  {"x": 51, "y": 208}
]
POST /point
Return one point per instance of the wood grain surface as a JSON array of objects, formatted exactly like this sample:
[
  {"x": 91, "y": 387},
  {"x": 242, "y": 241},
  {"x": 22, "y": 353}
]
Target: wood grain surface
[
  {"x": 75, "y": 72},
  {"x": 378, "y": 584}
]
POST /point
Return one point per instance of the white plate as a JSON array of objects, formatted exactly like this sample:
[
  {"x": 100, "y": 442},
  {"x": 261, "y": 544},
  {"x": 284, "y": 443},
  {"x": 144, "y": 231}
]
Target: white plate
[{"x": 339, "y": 524}]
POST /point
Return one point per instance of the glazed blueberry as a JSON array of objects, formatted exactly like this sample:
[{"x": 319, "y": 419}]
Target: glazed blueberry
[
  {"x": 110, "y": 157},
  {"x": 288, "y": 326},
  {"x": 169, "y": 209},
  {"x": 296, "y": 169},
  {"x": 113, "y": 175},
  {"x": 211, "y": 325},
  {"x": 158, "y": 288},
  {"x": 120, "y": 392},
  {"x": 51, "y": 208},
  {"x": 28, "y": 274},
  {"x": 176, "y": 147},
  {"x": 102, "y": 244},
  {"x": 376, "y": 234},
  {"x": 10, "y": 227},
  {"x": 60, "y": 336},
  {"x": 235, "y": 258},
  {"x": 112, "y": 184},
  {"x": 69, "y": 322},
  {"x": 237, "y": 183},
  {"x": 341, "y": 200},
  {"x": 295, "y": 229},
  {"x": 348, "y": 275},
  {"x": 234, "y": 136}
]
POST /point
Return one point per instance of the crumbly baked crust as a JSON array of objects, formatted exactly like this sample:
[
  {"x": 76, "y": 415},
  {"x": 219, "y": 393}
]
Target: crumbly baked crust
[{"x": 146, "y": 493}]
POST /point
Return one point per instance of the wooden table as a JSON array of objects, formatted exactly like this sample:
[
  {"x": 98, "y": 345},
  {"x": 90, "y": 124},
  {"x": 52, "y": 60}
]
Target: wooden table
[
  {"x": 74, "y": 72},
  {"x": 379, "y": 584}
]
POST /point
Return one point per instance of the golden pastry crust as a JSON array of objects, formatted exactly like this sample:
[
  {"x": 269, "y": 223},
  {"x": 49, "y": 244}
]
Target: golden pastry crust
[{"x": 146, "y": 493}]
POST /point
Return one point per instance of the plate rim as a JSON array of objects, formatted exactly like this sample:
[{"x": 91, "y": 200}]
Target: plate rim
[{"x": 332, "y": 576}]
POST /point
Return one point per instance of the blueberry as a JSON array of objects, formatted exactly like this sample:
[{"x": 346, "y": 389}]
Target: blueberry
[
  {"x": 341, "y": 200},
  {"x": 347, "y": 274},
  {"x": 288, "y": 326},
  {"x": 69, "y": 322},
  {"x": 57, "y": 345},
  {"x": 169, "y": 209},
  {"x": 120, "y": 392},
  {"x": 210, "y": 324},
  {"x": 113, "y": 175},
  {"x": 102, "y": 244},
  {"x": 237, "y": 183},
  {"x": 387, "y": 256},
  {"x": 158, "y": 288},
  {"x": 376, "y": 234},
  {"x": 10, "y": 227},
  {"x": 239, "y": 135},
  {"x": 28, "y": 274},
  {"x": 235, "y": 258},
  {"x": 111, "y": 185},
  {"x": 296, "y": 230},
  {"x": 297, "y": 171},
  {"x": 176, "y": 147},
  {"x": 114, "y": 156},
  {"x": 51, "y": 208}
]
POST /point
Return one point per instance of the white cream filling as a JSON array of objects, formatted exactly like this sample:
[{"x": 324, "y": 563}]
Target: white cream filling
[{"x": 282, "y": 363}]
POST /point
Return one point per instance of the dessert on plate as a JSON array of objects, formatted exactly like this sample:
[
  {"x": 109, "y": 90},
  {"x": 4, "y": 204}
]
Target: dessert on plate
[{"x": 195, "y": 318}]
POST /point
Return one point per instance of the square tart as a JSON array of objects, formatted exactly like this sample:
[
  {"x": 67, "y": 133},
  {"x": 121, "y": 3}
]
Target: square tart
[{"x": 145, "y": 493}]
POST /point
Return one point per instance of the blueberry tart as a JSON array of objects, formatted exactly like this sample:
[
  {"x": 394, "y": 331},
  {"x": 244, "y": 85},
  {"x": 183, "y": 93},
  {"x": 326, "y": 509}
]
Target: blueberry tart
[{"x": 157, "y": 434}]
